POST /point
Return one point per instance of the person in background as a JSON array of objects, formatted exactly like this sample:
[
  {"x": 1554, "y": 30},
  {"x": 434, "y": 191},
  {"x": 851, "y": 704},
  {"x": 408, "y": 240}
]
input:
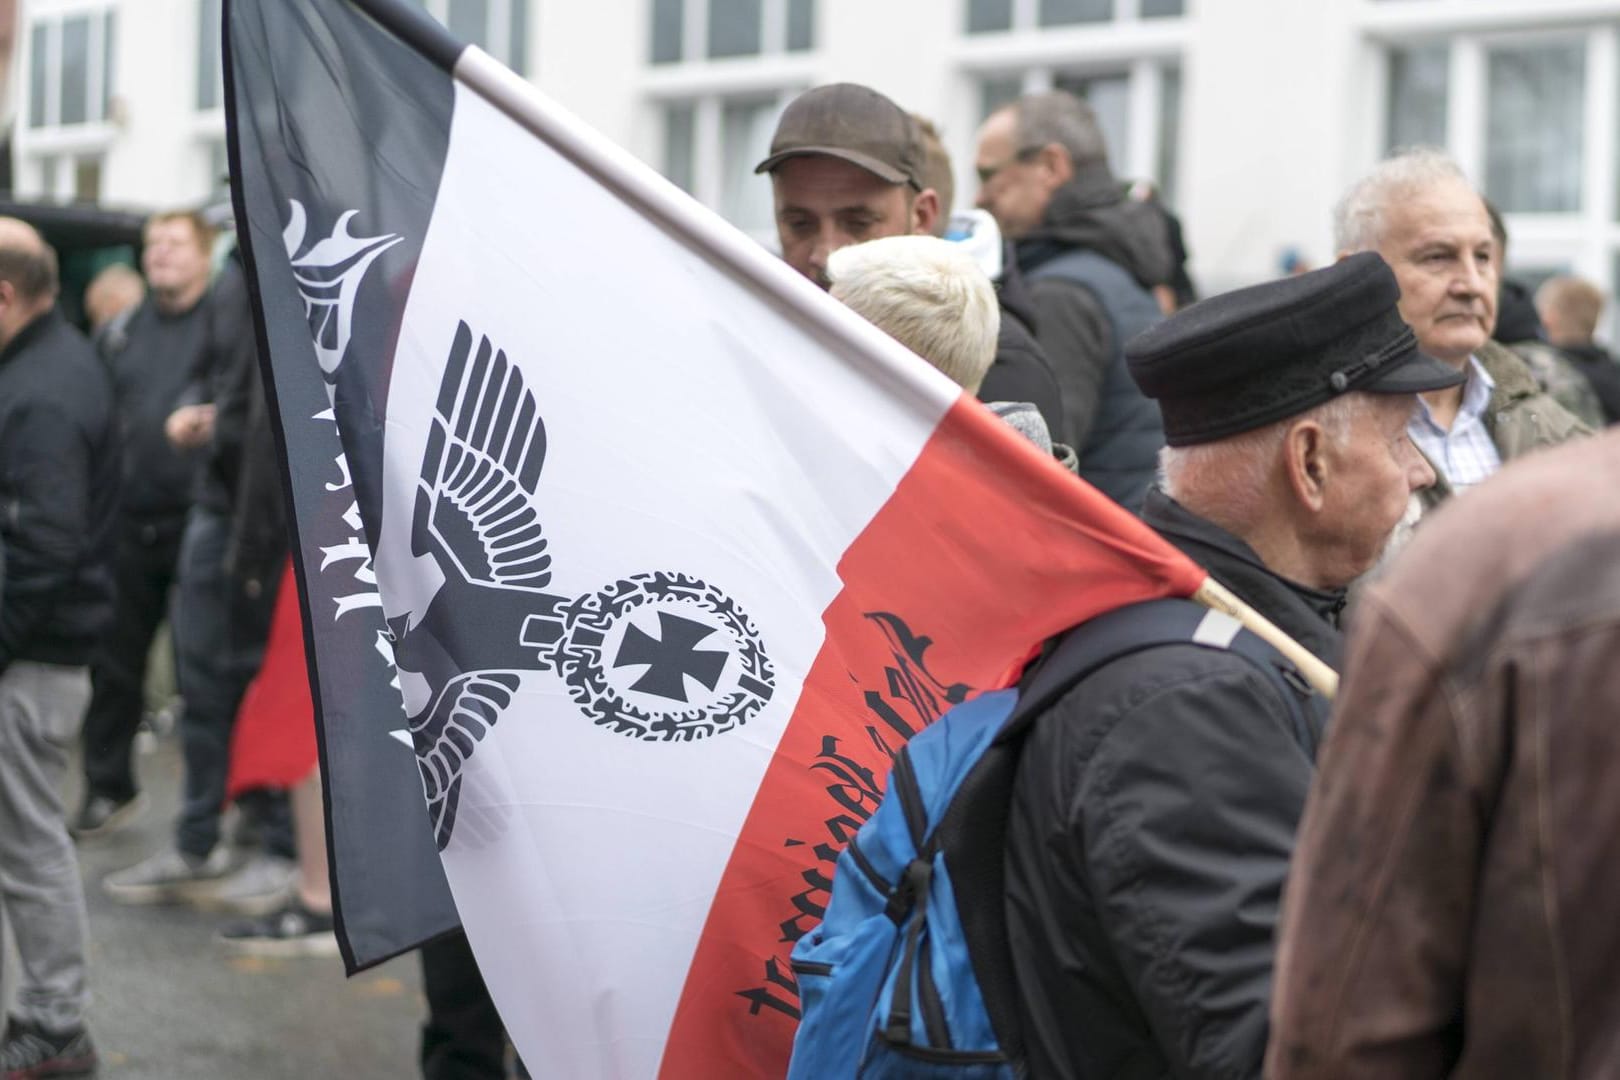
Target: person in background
[
  {"x": 930, "y": 295},
  {"x": 1518, "y": 326},
  {"x": 1155, "y": 802},
  {"x": 1420, "y": 213},
  {"x": 1570, "y": 308},
  {"x": 1021, "y": 371},
  {"x": 1092, "y": 257},
  {"x": 217, "y": 654},
  {"x": 164, "y": 337},
  {"x": 58, "y": 489},
  {"x": 109, "y": 300}
]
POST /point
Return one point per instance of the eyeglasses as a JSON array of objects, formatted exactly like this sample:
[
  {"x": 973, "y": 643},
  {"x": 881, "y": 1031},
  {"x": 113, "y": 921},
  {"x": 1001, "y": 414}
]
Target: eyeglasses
[{"x": 1026, "y": 155}]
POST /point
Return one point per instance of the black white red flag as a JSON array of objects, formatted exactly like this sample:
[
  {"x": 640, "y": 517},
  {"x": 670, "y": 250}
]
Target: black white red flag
[{"x": 673, "y": 550}]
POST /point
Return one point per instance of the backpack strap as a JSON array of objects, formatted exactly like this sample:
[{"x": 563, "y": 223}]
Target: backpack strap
[{"x": 973, "y": 830}]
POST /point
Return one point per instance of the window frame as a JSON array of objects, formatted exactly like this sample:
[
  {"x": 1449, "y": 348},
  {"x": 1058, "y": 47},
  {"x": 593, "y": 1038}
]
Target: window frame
[
  {"x": 1140, "y": 49},
  {"x": 708, "y": 85},
  {"x": 99, "y": 105},
  {"x": 1585, "y": 241},
  {"x": 773, "y": 36}
]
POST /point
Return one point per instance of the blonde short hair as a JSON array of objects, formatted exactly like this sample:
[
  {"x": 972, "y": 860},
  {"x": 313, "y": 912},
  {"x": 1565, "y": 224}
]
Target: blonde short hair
[
  {"x": 926, "y": 293},
  {"x": 1576, "y": 302}
]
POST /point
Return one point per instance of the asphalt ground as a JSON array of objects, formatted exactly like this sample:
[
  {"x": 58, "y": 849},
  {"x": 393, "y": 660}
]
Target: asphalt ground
[{"x": 169, "y": 1003}]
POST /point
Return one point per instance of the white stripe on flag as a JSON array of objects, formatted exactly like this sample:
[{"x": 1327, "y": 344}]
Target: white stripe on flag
[{"x": 585, "y": 862}]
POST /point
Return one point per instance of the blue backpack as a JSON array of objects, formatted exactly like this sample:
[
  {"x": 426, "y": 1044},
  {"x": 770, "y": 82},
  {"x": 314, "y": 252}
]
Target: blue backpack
[{"x": 910, "y": 974}]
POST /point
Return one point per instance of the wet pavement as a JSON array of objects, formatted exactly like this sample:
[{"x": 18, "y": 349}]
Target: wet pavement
[{"x": 171, "y": 1004}]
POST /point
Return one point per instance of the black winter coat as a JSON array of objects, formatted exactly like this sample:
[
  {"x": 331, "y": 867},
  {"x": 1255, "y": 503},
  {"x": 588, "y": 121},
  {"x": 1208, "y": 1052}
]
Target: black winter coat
[
  {"x": 58, "y": 494},
  {"x": 1152, "y": 822},
  {"x": 1021, "y": 371}
]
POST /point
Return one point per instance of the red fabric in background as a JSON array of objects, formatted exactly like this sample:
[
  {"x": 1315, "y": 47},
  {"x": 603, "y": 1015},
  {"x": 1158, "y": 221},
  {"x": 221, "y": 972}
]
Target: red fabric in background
[{"x": 274, "y": 742}]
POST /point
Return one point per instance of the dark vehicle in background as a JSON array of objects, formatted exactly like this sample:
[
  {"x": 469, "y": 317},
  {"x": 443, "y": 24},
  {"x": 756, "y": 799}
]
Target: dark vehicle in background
[{"x": 87, "y": 238}]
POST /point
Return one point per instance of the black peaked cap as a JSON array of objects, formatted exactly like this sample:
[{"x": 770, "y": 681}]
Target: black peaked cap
[{"x": 1252, "y": 357}]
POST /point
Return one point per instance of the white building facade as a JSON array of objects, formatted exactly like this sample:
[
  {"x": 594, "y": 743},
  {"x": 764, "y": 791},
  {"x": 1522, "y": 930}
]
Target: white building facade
[{"x": 1251, "y": 115}]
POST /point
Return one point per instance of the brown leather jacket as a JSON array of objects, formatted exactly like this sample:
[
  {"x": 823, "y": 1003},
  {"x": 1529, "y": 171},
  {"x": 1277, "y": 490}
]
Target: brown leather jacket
[{"x": 1454, "y": 904}]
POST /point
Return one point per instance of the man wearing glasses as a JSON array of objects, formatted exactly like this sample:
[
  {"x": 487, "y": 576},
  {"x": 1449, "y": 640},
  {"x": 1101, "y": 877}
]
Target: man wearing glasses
[{"x": 1091, "y": 256}]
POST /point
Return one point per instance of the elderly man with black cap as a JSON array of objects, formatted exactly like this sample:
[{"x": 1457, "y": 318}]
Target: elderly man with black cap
[
  {"x": 848, "y": 165},
  {"x": 1155, "y": 803}
]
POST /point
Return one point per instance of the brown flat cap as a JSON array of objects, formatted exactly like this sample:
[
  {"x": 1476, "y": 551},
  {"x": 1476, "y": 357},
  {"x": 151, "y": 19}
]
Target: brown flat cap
[{"x": 852, "y": 123}]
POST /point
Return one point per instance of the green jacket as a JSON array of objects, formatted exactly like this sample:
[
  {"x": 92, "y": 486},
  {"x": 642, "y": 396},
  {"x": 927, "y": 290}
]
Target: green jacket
[{"x": 1520, "y": 416}]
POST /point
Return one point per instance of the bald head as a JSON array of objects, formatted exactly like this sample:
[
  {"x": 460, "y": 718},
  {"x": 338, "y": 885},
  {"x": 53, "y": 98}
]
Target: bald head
[{"x": 27, "y": 262}]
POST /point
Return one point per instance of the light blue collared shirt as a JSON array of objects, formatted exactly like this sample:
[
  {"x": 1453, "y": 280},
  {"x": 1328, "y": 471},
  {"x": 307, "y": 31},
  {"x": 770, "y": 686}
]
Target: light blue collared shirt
[{"x": 1466, "y": 454}]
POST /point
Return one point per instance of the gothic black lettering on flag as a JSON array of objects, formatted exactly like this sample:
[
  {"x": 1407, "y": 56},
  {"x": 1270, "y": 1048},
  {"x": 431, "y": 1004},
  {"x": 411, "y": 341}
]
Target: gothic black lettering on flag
[{"x": 673, "y": 552}]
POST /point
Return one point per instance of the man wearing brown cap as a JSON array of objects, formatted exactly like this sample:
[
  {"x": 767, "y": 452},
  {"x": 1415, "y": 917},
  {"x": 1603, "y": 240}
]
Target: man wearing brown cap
[
  {"x": 848, "y": 165},
  {"x": 1155, "y": 803}
]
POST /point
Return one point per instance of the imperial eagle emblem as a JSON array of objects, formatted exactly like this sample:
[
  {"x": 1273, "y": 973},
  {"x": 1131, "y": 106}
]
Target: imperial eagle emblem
[{"x": 658, "y": 656}]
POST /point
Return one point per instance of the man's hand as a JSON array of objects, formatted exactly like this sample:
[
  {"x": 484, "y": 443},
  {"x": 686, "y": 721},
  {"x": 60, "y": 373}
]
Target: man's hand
[{"x": 190, "y": 426}]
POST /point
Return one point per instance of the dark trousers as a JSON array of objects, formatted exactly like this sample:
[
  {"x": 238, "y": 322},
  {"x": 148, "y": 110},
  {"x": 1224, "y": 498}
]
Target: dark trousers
[
  {"x": 144, "y": 569},
  {"x": 215, "y": 664},
  {"x": 463, "y": 1038}
]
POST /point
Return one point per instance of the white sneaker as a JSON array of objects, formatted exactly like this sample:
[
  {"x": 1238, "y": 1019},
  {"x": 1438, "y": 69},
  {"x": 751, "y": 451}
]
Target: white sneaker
[
  {"x": 260, "y": 886},
  {"x": 168, "y": 877}
]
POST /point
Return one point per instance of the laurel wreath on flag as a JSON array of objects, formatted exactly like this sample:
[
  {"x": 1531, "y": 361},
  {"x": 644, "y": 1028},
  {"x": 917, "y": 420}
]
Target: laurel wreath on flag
[{"x": 578, "y": 657}]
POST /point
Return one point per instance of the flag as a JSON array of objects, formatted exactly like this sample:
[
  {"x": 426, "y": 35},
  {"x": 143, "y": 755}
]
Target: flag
[{"x": 674, "y": 551}]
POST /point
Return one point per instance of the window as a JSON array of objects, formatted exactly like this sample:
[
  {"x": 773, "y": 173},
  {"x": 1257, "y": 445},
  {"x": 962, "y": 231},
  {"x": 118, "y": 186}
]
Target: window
[
  {"x": 690, "y": 31},
  {"x": 1137, "y": 107},
  {"x": 711, "y": 146},
  {"x": 1417, "y": 96},
  {"x": 70, "y": 76},
  {"x": 1524, "y": 107},
  {"x": 1535, "y": 98},
  {"x": 68, "y": 177},
  {"x": 1123, "y": 57},
  {"x": 209, "y": 83},
  {"x": 499, "y": 27},
  {"x": 998, "y": 16}
]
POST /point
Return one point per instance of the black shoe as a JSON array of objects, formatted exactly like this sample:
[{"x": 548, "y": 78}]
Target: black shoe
[
  {"x": 29, "y": 1052},
  {"x": 101, "y": 815},
  {"x": 292, "y": 931}
]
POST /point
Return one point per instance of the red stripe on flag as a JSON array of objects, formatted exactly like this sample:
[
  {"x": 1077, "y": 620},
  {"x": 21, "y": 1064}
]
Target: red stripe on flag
[{"x": 985, "y": 550}]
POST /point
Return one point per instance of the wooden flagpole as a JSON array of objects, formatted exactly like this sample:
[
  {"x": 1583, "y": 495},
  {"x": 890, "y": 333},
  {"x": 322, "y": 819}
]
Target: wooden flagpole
[{"x": 1212, "y": 594}]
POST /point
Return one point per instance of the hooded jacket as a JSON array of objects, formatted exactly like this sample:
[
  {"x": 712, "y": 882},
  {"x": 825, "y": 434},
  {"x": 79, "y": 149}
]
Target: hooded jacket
[
  {"x": 1153, "y": 820},
  {"x": 1021, "y": 371},
  {"x": 1085, "y": 316}
]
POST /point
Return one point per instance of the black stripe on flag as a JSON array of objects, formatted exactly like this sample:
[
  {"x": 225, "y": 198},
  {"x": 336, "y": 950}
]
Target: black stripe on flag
[{"x": 337, "y": 133}]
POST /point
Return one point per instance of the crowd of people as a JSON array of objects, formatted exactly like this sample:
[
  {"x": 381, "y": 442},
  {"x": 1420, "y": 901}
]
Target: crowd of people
[{"x": 1206, "y": 873}]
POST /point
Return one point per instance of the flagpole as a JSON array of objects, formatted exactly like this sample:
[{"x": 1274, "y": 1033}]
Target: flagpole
[
  {"x": 854, "y": 339},
  {"x": 1212, "y": 594}
]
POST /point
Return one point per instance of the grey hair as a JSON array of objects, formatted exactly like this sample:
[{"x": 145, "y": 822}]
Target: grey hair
[
  {"x": 1058, "y": 116},
  {"x": 1227, "y": 480},
  {"x": 1358, "y": 219},
  {"x": 926, "y": 293}
]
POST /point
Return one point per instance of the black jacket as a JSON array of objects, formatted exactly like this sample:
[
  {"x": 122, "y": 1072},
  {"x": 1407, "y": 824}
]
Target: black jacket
[
  {"x": 1021, "y": 371},
  {"x": 58, "y": 494},
  {"x": 224, "y": 373},
  {"x": 1090, "y": 213},
  {"x": 1152, "y": 822},
  {"x": 150, "y": 372}
]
